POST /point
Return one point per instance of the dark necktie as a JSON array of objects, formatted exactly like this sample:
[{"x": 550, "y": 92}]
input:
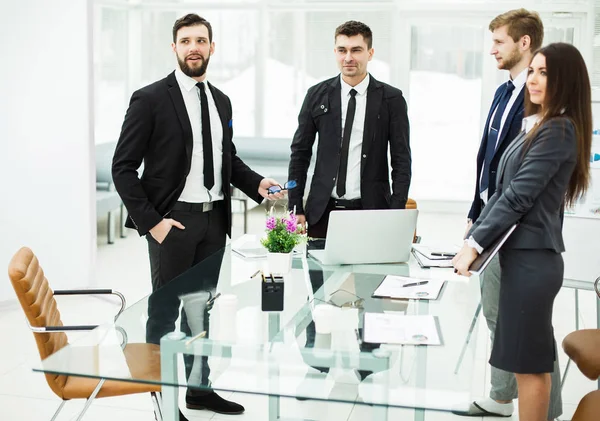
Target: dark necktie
[
  {"x": 341, "y": 182},
  {"x": 493, "y": 135},
  {"x": 207, "y": 150}
]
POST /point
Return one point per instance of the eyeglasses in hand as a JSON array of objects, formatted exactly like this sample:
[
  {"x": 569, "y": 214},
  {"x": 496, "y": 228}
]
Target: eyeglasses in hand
[{"x": 276, "y": 189}]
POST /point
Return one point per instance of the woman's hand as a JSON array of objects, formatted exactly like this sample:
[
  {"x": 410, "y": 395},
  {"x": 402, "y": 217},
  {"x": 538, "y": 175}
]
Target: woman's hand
[{"x": 462, "y": 261}]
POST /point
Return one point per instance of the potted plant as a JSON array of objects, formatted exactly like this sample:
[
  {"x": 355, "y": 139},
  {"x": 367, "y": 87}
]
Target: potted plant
[{"x": 282, "y": 236}]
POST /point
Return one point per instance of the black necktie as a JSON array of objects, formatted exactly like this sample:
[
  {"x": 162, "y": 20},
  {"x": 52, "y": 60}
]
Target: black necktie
[
  {"x": 493, "y": 135},
  {"x": 207, "y": 150},
  {"x": 341, "y": 182}
]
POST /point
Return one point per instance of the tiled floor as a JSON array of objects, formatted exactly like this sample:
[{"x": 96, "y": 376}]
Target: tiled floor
[{"x": 25, "y": 396}]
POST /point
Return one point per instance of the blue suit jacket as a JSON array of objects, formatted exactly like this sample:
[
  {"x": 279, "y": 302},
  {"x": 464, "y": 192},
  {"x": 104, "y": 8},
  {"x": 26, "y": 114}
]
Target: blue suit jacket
[{"x": 510, "y": 130}]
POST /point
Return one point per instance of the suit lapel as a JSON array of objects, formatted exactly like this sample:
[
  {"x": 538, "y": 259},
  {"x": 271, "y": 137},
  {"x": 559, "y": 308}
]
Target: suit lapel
[
  {"x": 182, "y": 114},
  {"x": 374, "y": 98},
  {"x": 514, "y": 146},
  {"x": 335, "y": 107},
  {"x": 517, "y": 107}
]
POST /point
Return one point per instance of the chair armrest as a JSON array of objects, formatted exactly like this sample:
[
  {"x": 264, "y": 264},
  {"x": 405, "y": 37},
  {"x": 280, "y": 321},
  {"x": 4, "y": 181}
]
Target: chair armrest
[
  {"x": 582, "y": 347},
  {"x": 597, "y": 287},
  {"x": 95, "y": 292}
]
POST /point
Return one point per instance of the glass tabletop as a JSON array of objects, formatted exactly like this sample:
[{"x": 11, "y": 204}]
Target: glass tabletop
[{"x": 216, "y": 315}]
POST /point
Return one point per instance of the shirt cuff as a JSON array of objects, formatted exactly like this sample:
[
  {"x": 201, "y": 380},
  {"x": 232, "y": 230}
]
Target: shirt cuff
[{"x": 473, "y": 244}]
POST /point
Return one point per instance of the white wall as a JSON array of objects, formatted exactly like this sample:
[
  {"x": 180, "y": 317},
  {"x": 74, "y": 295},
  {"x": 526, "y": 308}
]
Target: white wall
[{"x": 47, "y": 176}]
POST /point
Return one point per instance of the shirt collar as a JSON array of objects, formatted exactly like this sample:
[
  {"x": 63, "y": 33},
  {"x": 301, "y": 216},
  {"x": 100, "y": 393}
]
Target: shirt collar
[
  {"x": 185, "y": 81},
  {"x": 530, "y": 122},
  {"x": 520, "y": 80},
  {"x": 361, "y": 88}
]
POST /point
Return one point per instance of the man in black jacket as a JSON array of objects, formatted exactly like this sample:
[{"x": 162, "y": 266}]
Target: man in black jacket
[
  {"x": 358, "y": 119},
  {"x": 181, "y": 128}
]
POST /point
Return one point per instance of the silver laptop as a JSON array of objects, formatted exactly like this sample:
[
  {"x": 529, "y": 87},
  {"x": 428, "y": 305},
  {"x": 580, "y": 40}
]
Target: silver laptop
[{"x": 368, "y": 236}]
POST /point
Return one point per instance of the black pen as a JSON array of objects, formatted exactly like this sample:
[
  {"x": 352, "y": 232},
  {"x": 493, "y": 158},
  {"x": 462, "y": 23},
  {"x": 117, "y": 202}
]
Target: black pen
[
  {"x": 414, "y": 284},
  {"x": 212, "y": 300},
  {"x": 440, "y": 254}
]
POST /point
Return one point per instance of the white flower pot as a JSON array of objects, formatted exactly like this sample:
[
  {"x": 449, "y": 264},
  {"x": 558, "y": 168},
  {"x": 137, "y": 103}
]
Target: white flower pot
[{"x": 279, "y": 263}]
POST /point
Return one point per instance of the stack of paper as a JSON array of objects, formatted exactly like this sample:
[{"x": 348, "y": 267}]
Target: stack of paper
[{"x": 434, "y": 256}]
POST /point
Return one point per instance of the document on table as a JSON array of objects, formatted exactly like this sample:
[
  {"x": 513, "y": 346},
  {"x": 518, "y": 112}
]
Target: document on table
[
  {"x": 382, "y": 328},
  {"x": 433, "y": 252},
  {"x": 426, "y": 263},
  {"x": 394, "y": 286}
]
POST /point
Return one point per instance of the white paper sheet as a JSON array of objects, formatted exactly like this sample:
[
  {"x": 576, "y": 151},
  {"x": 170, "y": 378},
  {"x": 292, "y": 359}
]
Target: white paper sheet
[
  {"x": 393, "y": 286},
  {"x": 400, "y": 329}
]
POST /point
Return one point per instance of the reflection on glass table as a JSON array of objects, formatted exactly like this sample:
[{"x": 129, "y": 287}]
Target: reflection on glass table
[{"x": 313, "y": 349}]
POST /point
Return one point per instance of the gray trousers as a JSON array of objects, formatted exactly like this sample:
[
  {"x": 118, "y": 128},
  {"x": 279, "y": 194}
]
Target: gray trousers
[{"x": 504, "y": 384}]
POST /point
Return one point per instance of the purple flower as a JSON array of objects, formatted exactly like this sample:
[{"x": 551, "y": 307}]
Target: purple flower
[
  {"x": 290, "y": 225},
  {"x": 293, "y": 218},
  {"x": 271, "y": 223}
]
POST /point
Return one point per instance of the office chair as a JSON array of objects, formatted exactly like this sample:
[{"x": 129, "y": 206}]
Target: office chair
[
  {"x": 583, "y": 347},
  {"x": 412, "y": 204},
  {"x": 40, "y": 307}
]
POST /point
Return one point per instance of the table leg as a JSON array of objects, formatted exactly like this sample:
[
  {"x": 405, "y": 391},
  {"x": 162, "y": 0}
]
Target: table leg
[{"x": 168, "y": 375}]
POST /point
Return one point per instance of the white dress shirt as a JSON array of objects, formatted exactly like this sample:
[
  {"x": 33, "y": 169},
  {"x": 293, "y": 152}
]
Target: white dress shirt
[
  {"x": 519, "y": 83},
  {"x": 356, "y": 136},
  {"x": 194, "y": 190}
]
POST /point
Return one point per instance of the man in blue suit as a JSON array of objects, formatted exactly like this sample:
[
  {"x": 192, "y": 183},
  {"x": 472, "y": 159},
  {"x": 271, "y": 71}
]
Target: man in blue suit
[{"x": 516, "y": 35}]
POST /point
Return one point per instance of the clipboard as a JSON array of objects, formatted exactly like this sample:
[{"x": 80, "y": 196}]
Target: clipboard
[{"x": 481, "y": 262}]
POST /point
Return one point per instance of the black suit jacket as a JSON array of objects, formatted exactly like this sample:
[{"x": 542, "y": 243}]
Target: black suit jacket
[
  {"x": 532, "y": 183},
  {"x": 386, "y": 122},
  {"x": 510, "y": 130},
  {"x": 157, "y": 131}
]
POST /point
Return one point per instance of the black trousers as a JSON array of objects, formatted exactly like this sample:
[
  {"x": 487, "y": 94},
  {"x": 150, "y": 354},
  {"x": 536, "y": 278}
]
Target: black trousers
[{"x": 174, "y": 260}]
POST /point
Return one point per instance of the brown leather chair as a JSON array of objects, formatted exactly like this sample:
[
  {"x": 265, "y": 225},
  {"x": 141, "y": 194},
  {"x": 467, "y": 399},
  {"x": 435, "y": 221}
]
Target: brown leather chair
[
  {"x": 40, "y": 307},
  {"x": 412, "y": 204},
  {"x": 583, "y": 347}
]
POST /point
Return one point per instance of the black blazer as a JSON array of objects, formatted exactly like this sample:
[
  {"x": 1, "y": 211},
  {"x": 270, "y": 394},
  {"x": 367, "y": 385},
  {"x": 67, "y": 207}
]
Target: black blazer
[
  {"x": 386, "y": 122},
  {"x": 510, "y": 130},
  {"x": 157, "y": 130},
  {"x": 532, "y": 183}
]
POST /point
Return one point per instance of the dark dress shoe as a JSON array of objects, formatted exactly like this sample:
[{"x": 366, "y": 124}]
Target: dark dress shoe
[{"x": 213, "y": 402}]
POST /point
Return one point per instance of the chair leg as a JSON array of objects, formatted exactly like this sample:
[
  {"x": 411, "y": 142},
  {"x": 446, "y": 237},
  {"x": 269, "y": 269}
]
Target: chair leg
[
  {"x": 111, "y": 228},
  {"x": 464, "y": 349},
  {"x": 122, "y": 219},
  {"x": 89, "y": 400},
  {"x": 156, "y": 402},
  {"x": 58, "y": 410}
]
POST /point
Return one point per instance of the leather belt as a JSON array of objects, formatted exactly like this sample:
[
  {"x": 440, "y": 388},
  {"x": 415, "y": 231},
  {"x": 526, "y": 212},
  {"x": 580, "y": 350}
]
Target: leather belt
[
  {"x": 347, "y": 204},
  {"x": 195, "y": 207}
]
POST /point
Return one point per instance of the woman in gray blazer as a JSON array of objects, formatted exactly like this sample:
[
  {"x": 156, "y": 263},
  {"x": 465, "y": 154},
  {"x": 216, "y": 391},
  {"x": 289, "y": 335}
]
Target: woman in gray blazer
[{"x": 546, "y": 166}]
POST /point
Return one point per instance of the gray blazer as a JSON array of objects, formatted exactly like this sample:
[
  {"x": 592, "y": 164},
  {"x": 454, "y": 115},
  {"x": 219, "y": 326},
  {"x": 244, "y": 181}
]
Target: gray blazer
[{"x": 532, "y": 183}]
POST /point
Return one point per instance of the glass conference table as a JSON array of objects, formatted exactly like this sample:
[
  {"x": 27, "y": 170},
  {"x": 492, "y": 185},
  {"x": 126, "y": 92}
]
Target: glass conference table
[{"x": 276, "y": 354}]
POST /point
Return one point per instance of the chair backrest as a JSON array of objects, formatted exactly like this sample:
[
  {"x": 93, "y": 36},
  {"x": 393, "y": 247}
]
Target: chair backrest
[
  {"x": 39, "y": 305},
  {"x": 104, "y": 157},
  {"x": 412, "y": 204}
]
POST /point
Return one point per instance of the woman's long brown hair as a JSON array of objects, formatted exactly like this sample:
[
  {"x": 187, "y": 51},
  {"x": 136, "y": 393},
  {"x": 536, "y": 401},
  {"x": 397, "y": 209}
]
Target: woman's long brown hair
[{"x": 568, "y": 94}]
